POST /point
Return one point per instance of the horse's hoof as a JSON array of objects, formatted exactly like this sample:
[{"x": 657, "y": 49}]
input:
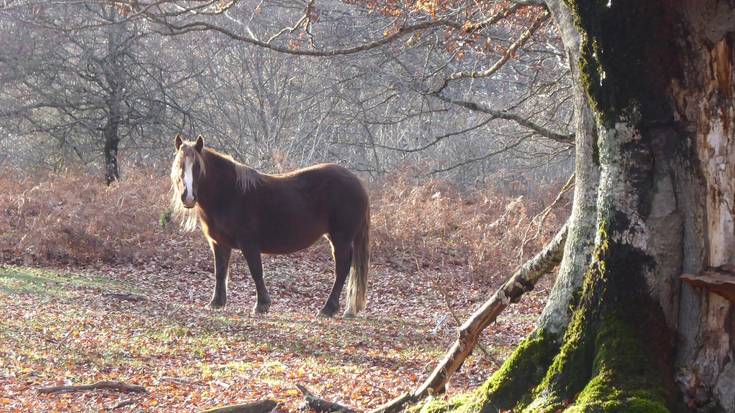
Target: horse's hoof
[
  {"x": 327, "y": 312},
  {"x": 348, "y": 314},
  {"x": 216, "y": 305},
  {"x": 261, "y": 308}
]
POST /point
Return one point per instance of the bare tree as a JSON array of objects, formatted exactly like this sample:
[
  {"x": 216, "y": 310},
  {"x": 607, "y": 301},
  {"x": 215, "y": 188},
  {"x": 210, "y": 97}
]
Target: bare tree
[{"x": 83, "y": 75}]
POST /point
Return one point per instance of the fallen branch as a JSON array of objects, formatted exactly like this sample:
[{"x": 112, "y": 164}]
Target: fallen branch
[
  {"x": 320, "y": 405},
  {"x": 523, "y": 280},
  {"x": 176, "y": 380},
  {"x": 100, "y": 385},
  {"x": 125, "y": 296},
  {"x": 261, "y": 406},
  {"x": 124, "y": 403}
]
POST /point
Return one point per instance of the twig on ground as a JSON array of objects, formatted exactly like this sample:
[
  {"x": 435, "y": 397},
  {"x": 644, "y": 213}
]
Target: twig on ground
[
  {"x": 124, "y": 403},
  {"x": 261, "y": 406},
  {"x": 100, "y": 385},
  {"x": 448, "y": 302},
  {"x": 176, "y": 380},
  {"x": 320, "y": 405},
  {"x": 125, "y": 296}
]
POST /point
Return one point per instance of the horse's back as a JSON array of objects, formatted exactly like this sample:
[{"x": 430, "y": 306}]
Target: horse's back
[
  {"x": 337, "y": 192},
  {"x": 306, "y": 203},
  {"x": 327, "y": 181},
  {"x": 337, "y": 185}
]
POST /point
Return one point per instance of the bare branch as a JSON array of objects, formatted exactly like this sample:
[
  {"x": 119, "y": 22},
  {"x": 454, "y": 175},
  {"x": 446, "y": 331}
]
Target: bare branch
[
  {"x": 262, "y": 406},
  {"x": 320, "y": 405},
  {"x": 199, "y": 26},
  {"x": 477, "y": 107},
  {"x": 525, "y": 36},
  {"x": 304, "y": 20},
  {"x": 481, "y": 158}
]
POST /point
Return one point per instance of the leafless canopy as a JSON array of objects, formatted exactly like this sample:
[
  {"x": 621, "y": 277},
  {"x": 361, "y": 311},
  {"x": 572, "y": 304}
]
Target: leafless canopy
[{"x": 468, "y": 92}]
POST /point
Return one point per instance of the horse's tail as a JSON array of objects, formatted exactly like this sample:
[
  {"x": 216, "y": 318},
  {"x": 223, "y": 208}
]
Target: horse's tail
[{"x": 357, "y": 285}]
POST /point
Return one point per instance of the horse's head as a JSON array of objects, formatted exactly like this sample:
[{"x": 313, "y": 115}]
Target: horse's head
[{"x": 187, "y": 170}]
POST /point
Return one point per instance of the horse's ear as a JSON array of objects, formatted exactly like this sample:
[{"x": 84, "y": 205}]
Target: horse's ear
[
  {"x": 200, "y": 143},
  {"x": 178, "y": 141}
]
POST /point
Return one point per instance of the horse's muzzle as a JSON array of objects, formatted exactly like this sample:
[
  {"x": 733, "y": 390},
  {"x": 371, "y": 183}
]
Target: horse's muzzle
[{"x": 188, "y": 202}]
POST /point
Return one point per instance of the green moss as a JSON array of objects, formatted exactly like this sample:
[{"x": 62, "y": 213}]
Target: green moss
[
  {"x": 460, "y": 403},
  {"x": 569, "y": 371},
  {"x": 614, "y": 355},
  {"x": 619, "y": 406},
  {"x": 165, "y": 218},
  {"x": 508, "y": 385},
  {"x": 617, "y": 379},
  {"x": 605, "y": 361},
  {"x": 623, "y": 374}
]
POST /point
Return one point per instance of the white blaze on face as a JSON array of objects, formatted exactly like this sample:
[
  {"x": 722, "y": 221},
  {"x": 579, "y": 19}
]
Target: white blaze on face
[{"x": 189, "y": 180}]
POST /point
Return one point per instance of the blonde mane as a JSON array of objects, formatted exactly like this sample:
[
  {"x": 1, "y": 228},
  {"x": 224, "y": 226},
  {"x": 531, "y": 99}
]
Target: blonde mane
[
  {"x": 187, "y": 217},
  {"x": 246, "y": 179}
]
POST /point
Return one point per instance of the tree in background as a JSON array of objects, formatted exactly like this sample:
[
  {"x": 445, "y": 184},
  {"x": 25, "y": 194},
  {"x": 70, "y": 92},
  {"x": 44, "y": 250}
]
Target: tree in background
[{"x": 89, "y": 79}]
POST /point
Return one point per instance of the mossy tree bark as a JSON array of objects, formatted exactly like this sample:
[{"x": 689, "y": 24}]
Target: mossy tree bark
[{"x": 655, "y": 198}]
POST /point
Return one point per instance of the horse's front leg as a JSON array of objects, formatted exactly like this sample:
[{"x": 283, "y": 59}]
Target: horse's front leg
[
  {"x": 252, "y": 256},
  {"x": 221, "y": 264}
]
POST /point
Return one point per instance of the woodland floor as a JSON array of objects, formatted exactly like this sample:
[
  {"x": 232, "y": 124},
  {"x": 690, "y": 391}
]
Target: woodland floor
[{"x": 146, "y": 324}]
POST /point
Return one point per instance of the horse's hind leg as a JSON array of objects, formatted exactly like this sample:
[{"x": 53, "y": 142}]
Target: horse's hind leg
[
  {"x": 221, "y": 263},
  {"x": 252, "y": 256},
  {"x": 342, "y": 261}
]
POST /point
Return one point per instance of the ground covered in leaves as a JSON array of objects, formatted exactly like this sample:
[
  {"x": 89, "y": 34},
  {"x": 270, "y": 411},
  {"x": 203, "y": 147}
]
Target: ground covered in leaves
[
  {"x": 149, "y": 327},
  {"x": 97, "y": 284}
]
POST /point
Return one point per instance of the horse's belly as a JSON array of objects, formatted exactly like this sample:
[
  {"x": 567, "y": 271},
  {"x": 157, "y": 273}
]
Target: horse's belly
[{"x": 286, "y": 241}]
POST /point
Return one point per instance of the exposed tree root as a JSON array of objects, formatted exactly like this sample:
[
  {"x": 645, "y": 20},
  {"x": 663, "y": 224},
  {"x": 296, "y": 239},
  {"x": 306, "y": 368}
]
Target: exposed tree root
[
  {"x": 261, "y": 406},
  {"x": 520, "y": 282},
  {"x": 100, "y": 385}
]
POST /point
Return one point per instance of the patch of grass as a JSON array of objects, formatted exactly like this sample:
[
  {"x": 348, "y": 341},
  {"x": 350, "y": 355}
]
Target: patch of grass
[{"x": 23, "y": 280}]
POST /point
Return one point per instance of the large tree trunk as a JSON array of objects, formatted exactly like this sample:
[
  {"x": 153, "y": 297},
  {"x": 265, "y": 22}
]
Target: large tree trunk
[{"x": 655, "y": 198}]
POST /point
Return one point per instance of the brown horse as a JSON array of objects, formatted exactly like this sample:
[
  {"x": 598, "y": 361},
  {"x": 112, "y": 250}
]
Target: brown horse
[{"x": 240, "y": 208}]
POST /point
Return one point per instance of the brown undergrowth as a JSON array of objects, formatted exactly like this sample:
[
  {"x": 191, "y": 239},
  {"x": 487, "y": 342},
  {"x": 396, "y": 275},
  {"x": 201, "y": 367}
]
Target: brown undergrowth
[
  {"x": 73, "y": 218},
  {"x": 486, "y": 231}
]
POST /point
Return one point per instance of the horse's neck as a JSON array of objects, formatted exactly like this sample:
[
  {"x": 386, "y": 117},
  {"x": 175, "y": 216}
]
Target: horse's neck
[{"x": 219, "y": 183}]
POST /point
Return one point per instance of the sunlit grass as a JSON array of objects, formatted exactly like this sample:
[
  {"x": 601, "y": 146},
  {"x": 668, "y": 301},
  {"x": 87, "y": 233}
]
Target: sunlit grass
[{"x": 24, "y": 280}]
